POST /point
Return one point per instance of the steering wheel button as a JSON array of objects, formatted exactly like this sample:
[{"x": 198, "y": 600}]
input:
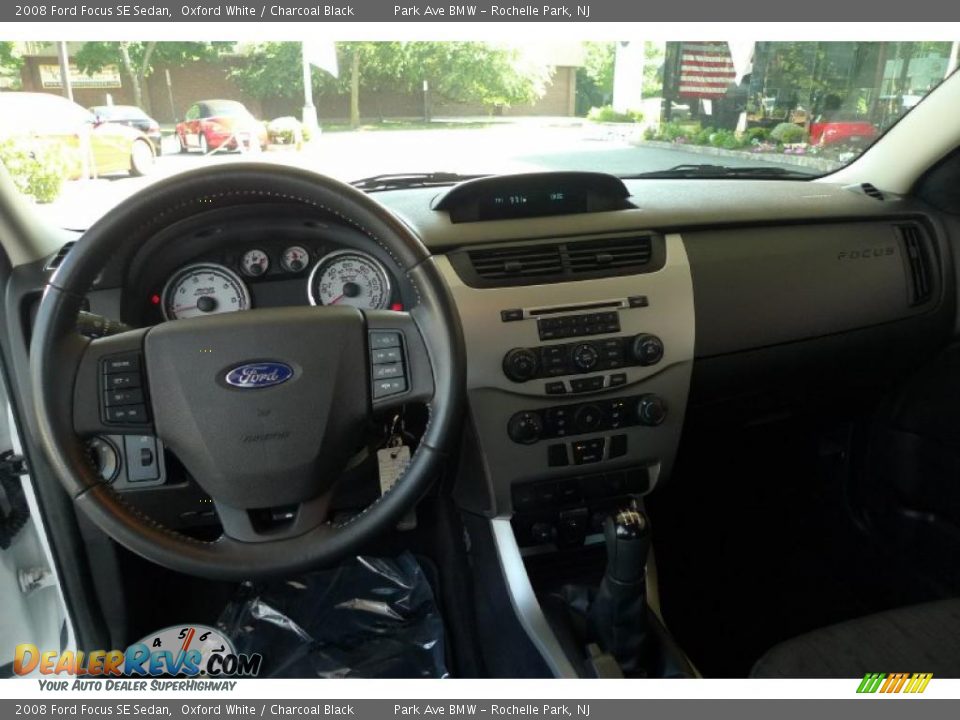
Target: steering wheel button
[
  {"x": 123, "y": 380},
  {"x": 386, "y": 355},
  {"x": 141, "y": 452},
  {"x": 135, "y": 414},
  {"x": 387, "y": 371},
  {"x": 380, "y": 340},
  {"x": 122, "y": 364},
  {"x": 123, "y": 397},
  {"x": 392, "y": 386}
]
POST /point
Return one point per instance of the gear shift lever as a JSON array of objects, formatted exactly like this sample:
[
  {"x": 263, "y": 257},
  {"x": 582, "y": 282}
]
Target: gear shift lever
[{"x": 618, "y": 614}]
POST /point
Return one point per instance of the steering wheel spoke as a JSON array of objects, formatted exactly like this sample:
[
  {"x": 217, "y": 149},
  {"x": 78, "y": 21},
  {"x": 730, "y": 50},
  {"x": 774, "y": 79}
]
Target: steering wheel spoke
[
  {"x": 273, "y": 523},
  {"x": 111, "y": 391},
  {"x": 399, "y": 364}
]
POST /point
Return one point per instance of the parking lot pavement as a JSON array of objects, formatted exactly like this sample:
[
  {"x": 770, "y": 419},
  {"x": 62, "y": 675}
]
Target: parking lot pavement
[{"x": 517, "y": 147}]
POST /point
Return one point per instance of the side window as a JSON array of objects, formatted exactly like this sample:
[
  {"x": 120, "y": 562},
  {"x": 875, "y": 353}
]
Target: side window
[{"x": 193, "y": 113}]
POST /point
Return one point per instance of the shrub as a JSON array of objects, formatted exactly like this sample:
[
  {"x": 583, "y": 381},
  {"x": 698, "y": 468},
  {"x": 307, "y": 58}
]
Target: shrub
[
  {"x": 758, "y": 134},
  {"x": 285, "y": 131},
  {"x": 702, "y": 137},
  {"x": 38, "y": 169},
  {"x": 788, "y": 133},
  {"x": 651, "y": 133},
  {"x": 607, "y": 114},
  {"x": 726, "y": 139},
  {"x": 672, "y": 132}
]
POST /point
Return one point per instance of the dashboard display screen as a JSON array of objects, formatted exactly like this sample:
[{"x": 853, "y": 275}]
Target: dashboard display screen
[{"x": 532, "y": 203}]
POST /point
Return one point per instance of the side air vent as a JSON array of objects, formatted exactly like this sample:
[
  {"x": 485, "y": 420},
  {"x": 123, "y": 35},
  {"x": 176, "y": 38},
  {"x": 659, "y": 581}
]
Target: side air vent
[
  {"x": 918, "y": 259},
  {"x": 531, "y": 261},
  {"x": 55, "y": 261},
  {"x": 557, "y": 261},
  {"x": 871, "y": 191}
]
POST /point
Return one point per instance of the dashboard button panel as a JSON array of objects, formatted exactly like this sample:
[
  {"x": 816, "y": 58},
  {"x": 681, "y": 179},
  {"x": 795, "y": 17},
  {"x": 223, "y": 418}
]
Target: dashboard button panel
[
  {"x": 529, "y": 426},
  {"x": 521, "y": 364}
]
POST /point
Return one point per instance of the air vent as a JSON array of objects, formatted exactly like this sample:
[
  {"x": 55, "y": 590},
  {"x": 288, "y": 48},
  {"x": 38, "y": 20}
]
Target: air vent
[
  {"x": 593, "y": 255},
  {"x": 58, "y": 258},
  {"x": 528, "y": 261},
  {"x": 915, "y": 249},
  {"x": 544, "y": 262},
  {"x": 872, "y": 191}
]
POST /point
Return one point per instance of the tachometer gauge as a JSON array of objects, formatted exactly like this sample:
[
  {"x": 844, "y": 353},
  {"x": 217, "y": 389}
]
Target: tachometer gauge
[
  {"x": 203, "y": 289},
  {"x": 348, "y": 277},
  {"x": 254, "y": 263},
  {"x": 294, "y": 258}
]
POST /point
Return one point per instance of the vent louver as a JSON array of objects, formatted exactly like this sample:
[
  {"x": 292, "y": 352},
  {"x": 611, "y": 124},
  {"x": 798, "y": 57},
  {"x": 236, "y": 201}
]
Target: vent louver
[
  {"x": 543, "y": 262},
  {"x": 57, "y": 259},
  {"x": 592, "y": 255},
  {"x": 919, "y": 261},
  {"x": 529, "y": 261},
  {"x": 871, "y": 191}
]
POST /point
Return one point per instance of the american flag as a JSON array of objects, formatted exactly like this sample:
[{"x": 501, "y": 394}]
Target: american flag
[{"x": 706, "y": 69}]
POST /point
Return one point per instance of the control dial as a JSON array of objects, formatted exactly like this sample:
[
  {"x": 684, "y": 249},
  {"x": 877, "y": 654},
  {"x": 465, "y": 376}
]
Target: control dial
[
  {"x": 525, "y": 427},
  {"x": 520, "y": 364},
  {"x": 587, "y": 418},
  {"x": 647, "y": 349},
  {"x": 585, "y": 357},
  {"x": 651, "y": 410}
]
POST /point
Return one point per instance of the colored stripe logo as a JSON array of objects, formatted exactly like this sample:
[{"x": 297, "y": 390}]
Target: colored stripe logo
[{"x": 913, "y": 683}]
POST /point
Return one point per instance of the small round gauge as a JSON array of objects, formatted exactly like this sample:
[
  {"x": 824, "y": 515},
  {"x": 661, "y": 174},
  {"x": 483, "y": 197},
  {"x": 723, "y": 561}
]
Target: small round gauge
[
  {"x": 254, "y": 263},
  {"x": 294, "y": 258},
  {"x": 348, "y": 277},
  {"x": 203, "y": 289}
]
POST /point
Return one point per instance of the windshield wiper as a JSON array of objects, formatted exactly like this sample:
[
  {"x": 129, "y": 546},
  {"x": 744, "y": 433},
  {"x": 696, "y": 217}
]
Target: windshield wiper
[
  {"x": 759, "y": 172},
  {"x": 393, "y": 181}
]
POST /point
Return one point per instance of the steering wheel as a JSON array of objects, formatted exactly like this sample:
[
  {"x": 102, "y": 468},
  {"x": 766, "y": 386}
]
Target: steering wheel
[{"x": 263, "y": 407}]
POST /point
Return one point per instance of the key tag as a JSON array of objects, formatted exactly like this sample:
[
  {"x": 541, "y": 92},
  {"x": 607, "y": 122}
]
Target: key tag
[{"x": 392, "y": 460}]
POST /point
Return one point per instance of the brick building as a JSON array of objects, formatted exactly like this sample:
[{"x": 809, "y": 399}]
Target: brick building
[{"x": 201, "y": 80}]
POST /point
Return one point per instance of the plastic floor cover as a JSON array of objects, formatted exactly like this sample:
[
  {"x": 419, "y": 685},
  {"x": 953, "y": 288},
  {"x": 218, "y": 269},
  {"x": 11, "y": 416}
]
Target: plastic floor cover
[{"x": 370, "y": 618}]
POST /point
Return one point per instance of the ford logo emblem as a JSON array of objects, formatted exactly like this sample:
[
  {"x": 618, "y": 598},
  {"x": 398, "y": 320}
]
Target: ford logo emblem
[{"x": 259, "y": 375}]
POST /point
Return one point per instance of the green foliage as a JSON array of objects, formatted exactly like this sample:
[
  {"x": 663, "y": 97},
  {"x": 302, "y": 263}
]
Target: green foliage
[
  {"x": 456, "y": 71},
  {"x": 37, "y": 169},
  {"x": 756, "y": 133},
  {"x": 94, "y": 56},
  {"x": 703, "y": 136},
  {"x": 595, "y": 76},
  {"x": 788, "y": 133},
  {"x": 726, "y": 139},
  {"x": 607, "y": 114},
  {"x": 10, "y": 62}
]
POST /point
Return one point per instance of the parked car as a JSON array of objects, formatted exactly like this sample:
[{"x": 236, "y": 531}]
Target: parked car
[
  {"x": 842, "y": 130},
  {"x": 99, "y": 148},
  {"x": 220, "y": 124},
  {"x": 131, "y": 116}
]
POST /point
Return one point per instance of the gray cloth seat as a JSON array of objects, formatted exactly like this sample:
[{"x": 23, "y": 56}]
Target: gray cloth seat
[{"x": 919, "y": 638}]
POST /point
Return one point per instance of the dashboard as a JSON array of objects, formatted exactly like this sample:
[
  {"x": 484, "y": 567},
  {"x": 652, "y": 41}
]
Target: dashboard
[{"x": 590, "y": 336}]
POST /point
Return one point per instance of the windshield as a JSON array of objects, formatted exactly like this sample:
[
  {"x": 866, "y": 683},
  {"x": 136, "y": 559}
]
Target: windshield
[{"x": 435, "y": 111}]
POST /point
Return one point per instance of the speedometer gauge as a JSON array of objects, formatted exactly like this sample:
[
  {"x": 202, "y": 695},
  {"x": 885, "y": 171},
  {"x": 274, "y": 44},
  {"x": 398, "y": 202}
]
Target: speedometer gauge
[
  {"x": 352, "y": 278},
  {"x": 203, "y": 289}
]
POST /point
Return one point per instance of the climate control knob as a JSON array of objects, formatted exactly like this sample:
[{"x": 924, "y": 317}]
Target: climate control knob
[
  {"x": 651, "y": 410},
  {"x": 525, "y": 427},
  {"x": 520, "y": 364},
  {"x": 587, "y": 418},
  {"x": 647, "y": 349},
  {"x": 585, "y": 357}
]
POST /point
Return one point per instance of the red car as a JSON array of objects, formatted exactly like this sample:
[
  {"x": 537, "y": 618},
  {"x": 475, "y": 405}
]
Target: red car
[
  {"x": 220, "y": 124},
  {"x": 839, "y": 131}
]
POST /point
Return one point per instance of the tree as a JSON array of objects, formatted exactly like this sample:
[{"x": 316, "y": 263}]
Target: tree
[
  {"x": 138, "y": 59},
  {"x": 455, "y": 71},
  {"x": 595, "y": 76},
  {"x": 10, "y": 61},
  {"x": 474, "y": 72}
]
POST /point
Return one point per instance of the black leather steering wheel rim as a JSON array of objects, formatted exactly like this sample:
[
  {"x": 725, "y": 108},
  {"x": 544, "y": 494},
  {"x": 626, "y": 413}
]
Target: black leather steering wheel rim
[{"x": 56, "y": 353}]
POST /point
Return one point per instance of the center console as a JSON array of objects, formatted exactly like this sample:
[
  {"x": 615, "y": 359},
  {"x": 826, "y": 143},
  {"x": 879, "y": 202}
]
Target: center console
[{"x": 577, "y": 388}]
